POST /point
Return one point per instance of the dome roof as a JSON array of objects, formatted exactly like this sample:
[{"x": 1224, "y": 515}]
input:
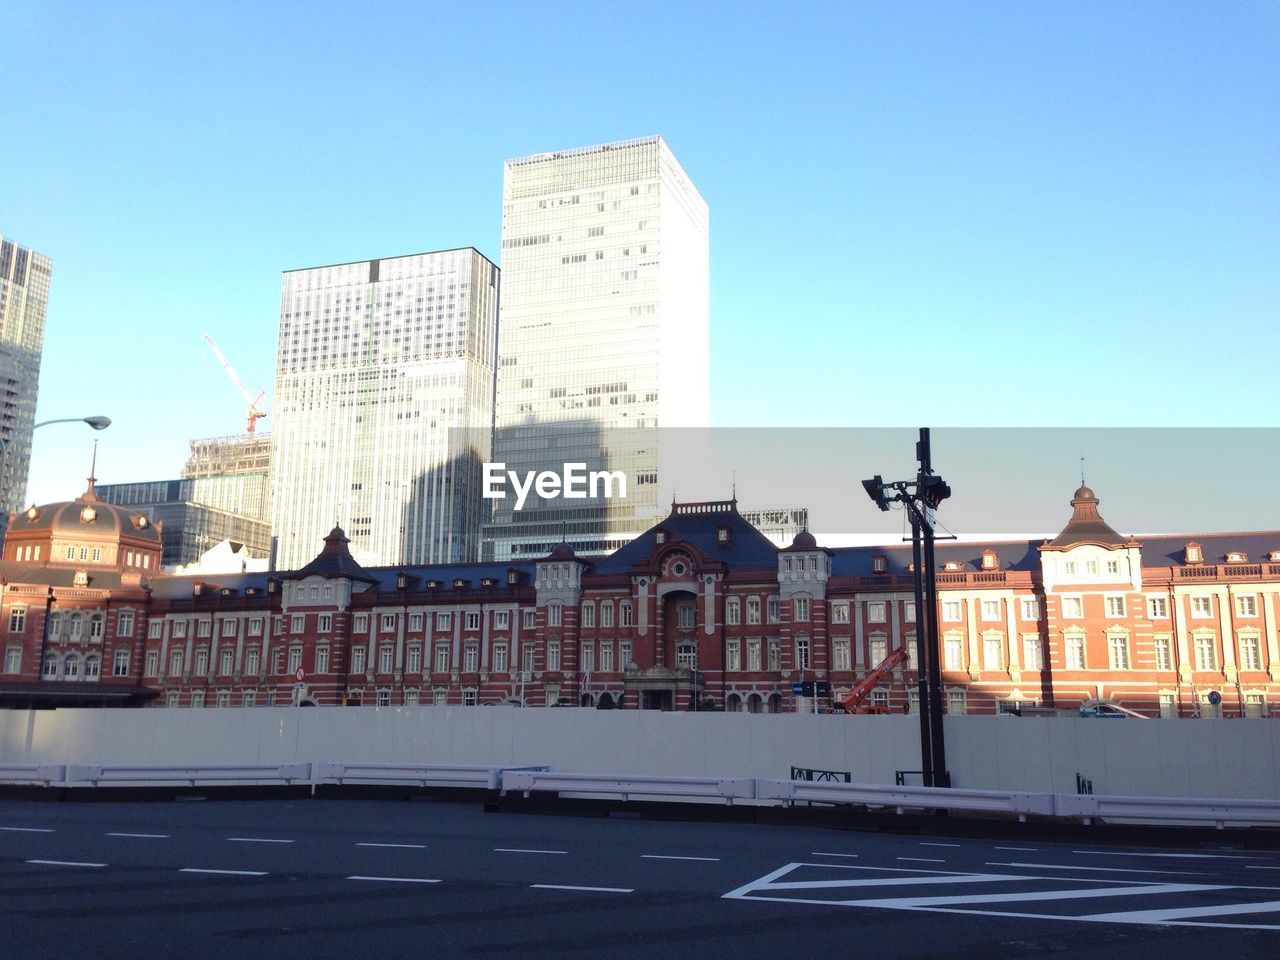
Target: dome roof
[
  {"x": 804, "y": 541},
  {"x": 562, "y": 552},
  {"x": 86, "y": 515}
]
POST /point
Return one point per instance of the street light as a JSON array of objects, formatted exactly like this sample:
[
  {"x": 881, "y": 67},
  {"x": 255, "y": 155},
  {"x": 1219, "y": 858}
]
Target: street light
[{"x": 97, "y": 423}]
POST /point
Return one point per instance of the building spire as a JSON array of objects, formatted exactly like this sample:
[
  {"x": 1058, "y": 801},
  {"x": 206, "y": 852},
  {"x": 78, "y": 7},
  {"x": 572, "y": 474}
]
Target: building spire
[
  {"x": 90, "y": 493},
  {"x": 1082, "y": 483}
]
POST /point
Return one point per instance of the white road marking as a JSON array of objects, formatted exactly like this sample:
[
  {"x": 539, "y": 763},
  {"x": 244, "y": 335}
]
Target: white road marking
[
  {"x": 851, "y": 856},
  {"x": 399, "y": 846},
  {"x": 1175, "y": 856},
  {"x": 925, "y": 843},
  {"x": 66, "y": 863},
  {"x": 658, "y": 856},
  {"x": 559, "y": 886},
  {"x": 229, "y": 873},
  {"x": 397, "y": 879},
  {"x": 1250, "y": 866},
  {"x": 27, "y": 829},
  {"x": 256, "y": 840},
  {"x": 518, "y": 850},
  {"x": 1020, "y": 849},
  {"x": 146, "y": 836},
  {"x": 920, "y": 859},
  {"x": 1060, "y": 866},
  {"x": 1179, "y": 913}
]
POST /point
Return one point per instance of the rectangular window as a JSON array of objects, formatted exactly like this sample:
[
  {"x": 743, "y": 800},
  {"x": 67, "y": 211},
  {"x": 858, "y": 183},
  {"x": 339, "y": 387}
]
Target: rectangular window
[
  {"x": 951, "y": 611},
  {"x": 1168, "y": 706},
  {"x": 1250, "y": 653},
  {"x": 801, "y": 607},
  {"x": 840, "y": 654},
  {"x": 175, "y": 663},
  {"x": 626, "y": 615},
  {"x": 439, "y": 698},
  {"x": 606, "y": 614},
  {"x": 876, "y": 612},
  {"x": 530, "y": 619},
  {"x": 361, "y": 623},
  {"x": 1075, "y": 651},
  {"x": 553, "y": 615},
  {"x": 473, "y": 620},
  {"x": 179, "y": 628},
  {"x": 322, "y": 658},
  {"x": 773, "y": 610},
  {"x": 992, "y": 654},
  {"x": 1118, "y": 651},
  {"x": 955, "y": 701},
  {"x": 325, "y": 622},
  {"x": 197, "y": 698},
  {"x": 249, "y": 698},
  {"x": 953, "y": 653},
  {"x": 1073, "y": 607},
  {"x": 120, "y": 665},
  {"x": 878, "y": 648},
  {"x": 1091, "y": 567},
  {"x": 526, "y": 658},
  {"x": 753, "y": 653},
  {"x": 124, "y": 623},
  {"x": 1202, "y": 607},
  {"x": 733, "y": 654},
  {"x": 204, "y": 628},
  {"x": 1157, "y": 608},
  {"x": 991, "y": 610},
  {"x": 253, "y": 661},
  {"x": 468, "y": 698},
  {"x": 1030, "y": 608},
  {"x": 413, "y": 658},
  {"x": 154, "y": 629},
  {"x": 774, "y": 651},
  {"x": 228, "y": 627},
  {"x": 298, "y": 623},
  {"x": 1246, "y": 605},
  {"x": 1032, "y": 652},
  {"x": 444, "y": 620},
  {"x": 1254, "y": 705},
  {"x": 1206, "y": 654},
  {"x": 1164, "y": 653},
  {"x": 500, "y": 662},
  {"x": 386, "y": 658},
  {"x": 17, "y": 619},
  {"x": 753, "y": 609},
  {"x": 388, "y": 622},
  {"x": 359, "y": 656},
  {"x": 909, "y": 613},
  {"x": 588, "y": 614},
  {"x": 226, "y": 661},
  {"x": 733, "y": 611},
  {"x": 606, "y": 656},
  {"x": 471, "y": 658},
  {"x": 553, "y": 654},
  {"x": 501, "y": 620},
  {"x": 587, "y": 653},
  {"x": 685, "y": 615},
  {"x": 384, "y": 698},
  {"x": 624, "y": 654},
  {"x": 13, "y": 660},
  {"x": 415, "y": 622},
  {"x": 153, "y": 662},
  {"x": 802, "y": 653},
  {"x": 442, "y": 658},
  {"x": 1115, "y": 606},
  {"x": 295, "y": 658}
]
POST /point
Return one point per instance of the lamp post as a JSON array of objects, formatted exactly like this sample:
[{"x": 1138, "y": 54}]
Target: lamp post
[
  {"x": 97, "y": 423},
  {"x": 920, "y": 497}
]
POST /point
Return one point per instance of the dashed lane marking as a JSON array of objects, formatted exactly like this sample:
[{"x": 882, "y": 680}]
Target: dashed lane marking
[
  {"x": 519, "y": 850},
  {"x": 396, "y": 879},
  {"x": 66, "y": 863},
  {"x": 851, "y": 856},
  {"x": 921, "y": 859},
  {"x": 397, "y": 846},
  {"x": 142, "y": 836},
  {"x": 1171, "y": 856},
  {"x": 256, "y": 840},
  {"x": 227, "y": 873},
  {"x": 926, "y": 843},
  {"x": 1020, "y": 849},
  {"x": 27, "y": 829},
  {"x": 562, "y": 886},
  {"x": 1066, "y": 866},
  {"x": 659, "y": 856}
]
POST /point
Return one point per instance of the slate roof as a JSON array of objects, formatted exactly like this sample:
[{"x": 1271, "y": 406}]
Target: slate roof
[
  {"x": 1086, "y": 524},
  {"x": 699, "y": 524},
  {"x": 1010, "y": 554},
  {"x": 334, "y": 561}
]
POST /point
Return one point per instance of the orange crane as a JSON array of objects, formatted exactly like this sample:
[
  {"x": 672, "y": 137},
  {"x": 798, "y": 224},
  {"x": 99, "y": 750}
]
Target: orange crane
[
  {"x": 256, "y": 412},
  {"x": 855, "y": 700}
]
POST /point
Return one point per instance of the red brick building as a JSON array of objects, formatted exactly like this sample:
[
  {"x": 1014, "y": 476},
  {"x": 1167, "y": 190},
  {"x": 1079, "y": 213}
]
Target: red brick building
[{"x": 700, "y": 612}]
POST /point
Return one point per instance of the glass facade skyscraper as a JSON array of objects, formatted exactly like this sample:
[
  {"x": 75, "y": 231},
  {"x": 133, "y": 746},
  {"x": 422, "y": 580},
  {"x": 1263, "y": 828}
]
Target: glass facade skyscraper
[
  {"x": 383, "y": 407},
  {"x": 24, "y": 296},
  {"x": 604, "y": 336}
]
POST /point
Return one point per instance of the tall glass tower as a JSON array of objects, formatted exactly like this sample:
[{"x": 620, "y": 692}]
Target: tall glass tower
[
  {"x": 24, "y": 296},
  {"x": 604, "y": 338},
  {"x": 383, "y": 406}
]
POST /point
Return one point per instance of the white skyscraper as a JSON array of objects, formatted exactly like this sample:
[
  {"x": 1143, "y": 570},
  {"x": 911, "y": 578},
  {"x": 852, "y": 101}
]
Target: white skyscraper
[
  {"x": 604, "y": 336},
  {"x": 383, "y": 406},
  {"x": 24, "y": 296}
]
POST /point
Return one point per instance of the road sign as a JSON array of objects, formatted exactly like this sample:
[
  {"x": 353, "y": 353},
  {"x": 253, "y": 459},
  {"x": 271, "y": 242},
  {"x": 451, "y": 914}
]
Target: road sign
[
  {"x": 1215, "y": 697},
  {"x": 299, "y": 675},
  {"x": 797, "y": 688}
]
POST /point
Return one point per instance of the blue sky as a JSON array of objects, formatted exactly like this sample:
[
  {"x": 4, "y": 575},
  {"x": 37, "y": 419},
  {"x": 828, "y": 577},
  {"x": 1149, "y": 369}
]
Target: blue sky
[{"x": 1062, "y": 214}]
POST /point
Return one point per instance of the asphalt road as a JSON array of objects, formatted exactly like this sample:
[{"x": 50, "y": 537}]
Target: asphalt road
[{"x": 347, "y": 878}]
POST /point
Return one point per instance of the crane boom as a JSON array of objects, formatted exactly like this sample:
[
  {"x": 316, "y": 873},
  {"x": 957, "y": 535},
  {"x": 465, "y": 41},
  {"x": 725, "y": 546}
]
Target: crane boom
[
  {"x": 255, "y": 411},
  {"x": 854, "y": 699}
]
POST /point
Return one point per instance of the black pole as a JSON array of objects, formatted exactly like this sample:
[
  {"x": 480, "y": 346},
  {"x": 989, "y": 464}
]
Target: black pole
[
  {"x": 930, "y": 623},
  {"x": 922, "y": 654}
]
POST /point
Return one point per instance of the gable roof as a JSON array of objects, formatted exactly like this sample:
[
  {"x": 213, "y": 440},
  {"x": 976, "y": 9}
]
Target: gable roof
[{"x": 699, "y": 524}]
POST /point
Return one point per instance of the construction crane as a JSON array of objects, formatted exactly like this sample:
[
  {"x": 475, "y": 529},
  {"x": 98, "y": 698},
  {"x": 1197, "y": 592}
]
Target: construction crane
[
  {"x": 855, "y": 700},
  {"x": 256, "y": 412}
]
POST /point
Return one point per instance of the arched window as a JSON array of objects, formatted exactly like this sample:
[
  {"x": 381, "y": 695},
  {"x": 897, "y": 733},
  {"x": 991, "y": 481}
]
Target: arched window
[
  {"x": 50, "y": 666},
  {"x": 733, "y": 703},
  {"x": 55, "y": 625},
  {"x": 95, "y": 627},
  {"x": 71, "y": 667},
  {"x": 754, "y": 703},
  {"x": 92, "y": 668},
  {"x": 77, "y": 624},
  {"x": 687, "y": 655}
]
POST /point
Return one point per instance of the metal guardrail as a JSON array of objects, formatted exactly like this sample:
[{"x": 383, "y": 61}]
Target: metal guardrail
[
  {"x": 32, "y": 773},
  {"x": 1087, "y": 808},
  {"x": 903, "y": 798},
  {"x": 627, "y": 786},
  {"x": 189, "y": 774},
  {"x": 419, "y": 774}
]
